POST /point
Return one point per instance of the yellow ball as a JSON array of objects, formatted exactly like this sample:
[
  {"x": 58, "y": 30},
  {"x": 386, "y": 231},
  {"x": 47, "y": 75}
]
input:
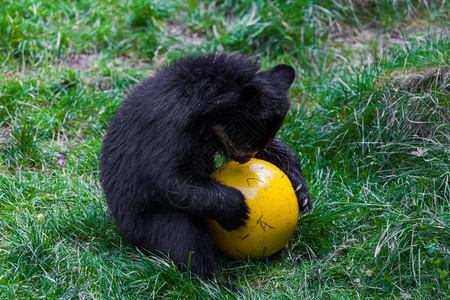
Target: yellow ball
[{"x": 273, "y": 210}]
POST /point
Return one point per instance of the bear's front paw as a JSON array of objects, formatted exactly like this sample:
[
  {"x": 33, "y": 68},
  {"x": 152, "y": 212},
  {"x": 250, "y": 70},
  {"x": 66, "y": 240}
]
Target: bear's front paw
[
  {"x": 303, "y": 197},
  {"x": 234, "y": 211}
]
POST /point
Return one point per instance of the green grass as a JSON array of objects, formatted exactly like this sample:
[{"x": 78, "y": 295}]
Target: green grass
[{"x": 370, "y": 123}]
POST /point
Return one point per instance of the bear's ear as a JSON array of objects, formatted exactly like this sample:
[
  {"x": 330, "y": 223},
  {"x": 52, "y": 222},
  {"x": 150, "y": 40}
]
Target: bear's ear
[
  {"x": 250, "y": 93},
  {"x": 283, "y": 75}
]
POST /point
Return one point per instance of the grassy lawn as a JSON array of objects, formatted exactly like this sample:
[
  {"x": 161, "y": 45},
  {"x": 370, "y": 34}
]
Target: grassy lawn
[{"x": 370, "y": 123}]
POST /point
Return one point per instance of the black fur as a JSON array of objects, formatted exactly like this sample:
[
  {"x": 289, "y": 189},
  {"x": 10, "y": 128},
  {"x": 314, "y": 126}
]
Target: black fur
[{"x": 159, "y": 152}]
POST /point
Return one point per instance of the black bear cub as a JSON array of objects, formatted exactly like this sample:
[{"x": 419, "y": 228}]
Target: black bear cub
[{"x": 162, "y": 145}]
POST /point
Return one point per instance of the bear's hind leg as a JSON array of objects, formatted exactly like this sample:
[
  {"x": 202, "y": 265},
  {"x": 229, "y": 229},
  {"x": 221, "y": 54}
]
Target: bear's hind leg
[{"x": 185, "y": 239}]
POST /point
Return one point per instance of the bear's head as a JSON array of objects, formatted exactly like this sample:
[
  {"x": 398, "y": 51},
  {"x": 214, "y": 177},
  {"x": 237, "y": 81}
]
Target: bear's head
[{"x": 250, "y": 118}]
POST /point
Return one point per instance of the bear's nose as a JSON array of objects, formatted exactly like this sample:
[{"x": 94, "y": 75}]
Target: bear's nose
[{"x": 245, "y": 158}]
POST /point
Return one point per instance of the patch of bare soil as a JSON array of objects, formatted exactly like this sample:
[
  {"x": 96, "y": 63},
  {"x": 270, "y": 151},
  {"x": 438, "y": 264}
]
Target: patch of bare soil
[
  {"x": 425, "y": 80},
  {"x": 87, "y": 61},
  {"x": 184, "y": 38},
  {"x": 80, "y": 61},
  {"x": 370, "y": 44},
  {"x": 89, "y": 64},
  {"x": 418, "y": 100}
]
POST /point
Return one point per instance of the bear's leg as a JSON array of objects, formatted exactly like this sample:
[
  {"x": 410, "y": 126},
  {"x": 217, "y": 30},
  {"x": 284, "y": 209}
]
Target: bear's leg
[
  {"x": 284, "y": 158},
  {"x": 185, "y": 239},
  {"x": 201, "y": 196}
]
